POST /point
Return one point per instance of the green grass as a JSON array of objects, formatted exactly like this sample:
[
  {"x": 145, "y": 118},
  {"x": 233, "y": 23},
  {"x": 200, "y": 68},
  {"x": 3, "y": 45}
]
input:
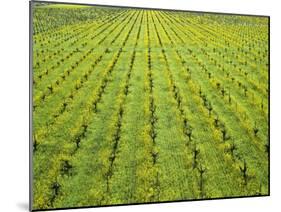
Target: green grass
[
  {"x": 62, "y": 6},
  {"x": 135, "y": 106}
]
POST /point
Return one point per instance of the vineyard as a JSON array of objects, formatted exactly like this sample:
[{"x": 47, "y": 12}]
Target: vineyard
[{"x": 137, "y": 105}]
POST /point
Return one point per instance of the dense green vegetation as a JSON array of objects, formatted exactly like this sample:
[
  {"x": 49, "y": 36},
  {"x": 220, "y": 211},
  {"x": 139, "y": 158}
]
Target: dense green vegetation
[{"x": 135, "y": 106}]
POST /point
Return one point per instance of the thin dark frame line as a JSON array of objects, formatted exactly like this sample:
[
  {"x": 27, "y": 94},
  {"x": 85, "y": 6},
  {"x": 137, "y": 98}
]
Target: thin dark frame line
[
  {"x": 268, "y": 133},
  {"x": 150, "y": 8},
  {"x": 31, "y": 103}
]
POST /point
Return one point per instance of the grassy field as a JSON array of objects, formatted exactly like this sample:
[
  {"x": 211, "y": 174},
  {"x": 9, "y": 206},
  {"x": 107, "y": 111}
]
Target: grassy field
[{"x": 135, "y": 106}]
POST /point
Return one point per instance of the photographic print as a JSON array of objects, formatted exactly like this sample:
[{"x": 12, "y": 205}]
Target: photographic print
[{"x": 135, "y": 105}]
